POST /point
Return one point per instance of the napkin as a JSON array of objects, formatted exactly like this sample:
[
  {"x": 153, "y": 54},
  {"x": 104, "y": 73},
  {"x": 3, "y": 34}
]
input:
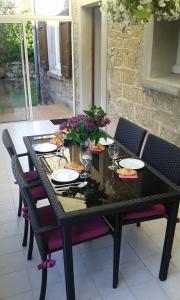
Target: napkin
[
  {"x": 75, "y": 168},
  {"x": 96, "y": 149},
  {"x": 135, "y": 176}
]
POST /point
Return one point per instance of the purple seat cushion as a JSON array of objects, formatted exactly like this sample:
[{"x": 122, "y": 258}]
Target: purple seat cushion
[
  {"x": 38, "y": 193},
  {"x": 80, "y": 232},
  {"x": 155, "y": 210},
  {"x": 31, "y": 175}
]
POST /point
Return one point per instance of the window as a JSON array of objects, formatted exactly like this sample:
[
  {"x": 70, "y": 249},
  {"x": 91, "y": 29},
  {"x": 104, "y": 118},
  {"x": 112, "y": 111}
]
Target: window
[
  {"x": 59, "y": 48},
  {"x": 35, "y": 7},
  {"x": 162, "y": 57},
  {"x": 53, "y": 43}
]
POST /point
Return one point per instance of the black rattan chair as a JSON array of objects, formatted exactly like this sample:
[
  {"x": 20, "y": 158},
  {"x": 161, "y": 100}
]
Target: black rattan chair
[
  {"x": 163, "y": 156},
  {"x": 130, "y": 135},
  {"x": 46, "y": 231},
  {"x": 37, "y": 191},
  {"x": 58, "y": 121},
  {"x": 31, "y": 175}
]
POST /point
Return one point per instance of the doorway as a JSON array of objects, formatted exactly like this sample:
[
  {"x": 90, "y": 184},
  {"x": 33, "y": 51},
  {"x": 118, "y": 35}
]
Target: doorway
[
  {"x": 14, "y": 100},
  {"x": 93, "y": 55},
  {"x": 36, "y": 78},
  {"x": 96, "y": 57}
]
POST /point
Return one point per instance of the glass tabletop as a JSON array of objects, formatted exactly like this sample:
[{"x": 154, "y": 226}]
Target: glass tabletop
[{"x": 104, "y": 185}]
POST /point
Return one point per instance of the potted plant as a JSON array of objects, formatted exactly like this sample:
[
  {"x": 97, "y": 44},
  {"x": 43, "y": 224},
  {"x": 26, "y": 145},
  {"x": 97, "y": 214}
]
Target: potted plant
[{"x": 86, "y": 127}]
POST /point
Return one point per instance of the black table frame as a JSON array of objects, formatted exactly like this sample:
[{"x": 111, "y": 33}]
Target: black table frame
[{"x": 66, "y": 219}]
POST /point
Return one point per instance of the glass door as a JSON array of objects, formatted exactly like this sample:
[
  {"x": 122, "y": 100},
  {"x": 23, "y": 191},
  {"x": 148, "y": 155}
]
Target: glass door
[{"x": 14, "y": 73}]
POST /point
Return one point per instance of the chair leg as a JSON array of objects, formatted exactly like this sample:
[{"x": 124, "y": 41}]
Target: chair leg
[
  {"x": 20, "y": 205},
  {"x": 138, "y": 224},
  {"x": 25, "y": 236},
  {"x": 31, "y": 242},
  {"x": 116, "y": 252},
  {"x": 43, "y": 284}
]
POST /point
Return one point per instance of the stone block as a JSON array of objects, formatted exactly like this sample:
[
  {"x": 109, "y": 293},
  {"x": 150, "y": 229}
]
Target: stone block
[
  {"x": 143, "y": 116},
  {"x": 117, "y": 58},
  {"x": 170, "y": 134},
  {"x": 130, "y": 59},
  {"x": 116, "y": 75},
  {"x": 132, "y": 44},
  {"x": 128, "y": 76},
  {"x": 166, "y": 119},
  {"x": 116, "y": 91}
]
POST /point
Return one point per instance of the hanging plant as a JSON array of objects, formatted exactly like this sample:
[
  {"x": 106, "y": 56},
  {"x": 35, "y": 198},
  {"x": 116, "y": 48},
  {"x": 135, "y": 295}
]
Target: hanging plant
[{"x": 138, "y": 12}]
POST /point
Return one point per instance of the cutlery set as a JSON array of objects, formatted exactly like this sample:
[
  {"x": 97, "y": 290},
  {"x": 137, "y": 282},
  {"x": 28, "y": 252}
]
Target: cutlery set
[{"x": 65, "y": 187}]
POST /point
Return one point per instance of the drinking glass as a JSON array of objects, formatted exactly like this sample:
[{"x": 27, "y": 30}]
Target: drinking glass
[
  {"x": 113, "y": 151},
  {"x": 85, "y": 158},
  {"x": 62, "y": 148}
]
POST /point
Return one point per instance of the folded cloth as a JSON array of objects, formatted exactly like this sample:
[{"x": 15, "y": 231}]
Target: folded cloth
[
  {"x": 56, "y": 143},
  {"x": 56, "y": 140},
  {"x": 135, "y": 176},
  {"x": 74, "y": 166},
  {"x": 96, "y": 149}
]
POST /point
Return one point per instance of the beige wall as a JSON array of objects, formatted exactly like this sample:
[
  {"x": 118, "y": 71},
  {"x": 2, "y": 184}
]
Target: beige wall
[{"x": 158, "y": 112}]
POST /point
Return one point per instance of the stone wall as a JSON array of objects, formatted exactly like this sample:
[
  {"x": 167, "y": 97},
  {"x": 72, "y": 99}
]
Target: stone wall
[
  {"x": 76, "y": 52},
  {"x": 158, "y": 112},
  {"x": 13, "y": 73},
  {"x": 61, "y": 91}
]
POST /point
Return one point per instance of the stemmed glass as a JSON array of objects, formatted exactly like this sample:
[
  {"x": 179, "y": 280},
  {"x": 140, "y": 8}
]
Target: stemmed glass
[
  {"x": 60, "y": 151},
  {"x": 113, "y": 151},
  {"x": 85, "y": 158}
]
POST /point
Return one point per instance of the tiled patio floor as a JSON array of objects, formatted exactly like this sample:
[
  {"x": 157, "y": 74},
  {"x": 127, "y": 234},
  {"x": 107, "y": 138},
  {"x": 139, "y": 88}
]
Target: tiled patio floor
[
  {"x": 140, "y": 255},
  {"x": 40, "y": 112}
]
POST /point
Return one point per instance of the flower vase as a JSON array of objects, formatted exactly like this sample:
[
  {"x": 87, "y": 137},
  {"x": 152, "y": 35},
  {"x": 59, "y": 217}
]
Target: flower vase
[{"x": 85, "y": 145}]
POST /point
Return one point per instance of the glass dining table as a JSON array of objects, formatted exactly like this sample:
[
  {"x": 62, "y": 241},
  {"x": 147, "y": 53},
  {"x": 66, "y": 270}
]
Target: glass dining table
[{"x": 105, "y": 194}]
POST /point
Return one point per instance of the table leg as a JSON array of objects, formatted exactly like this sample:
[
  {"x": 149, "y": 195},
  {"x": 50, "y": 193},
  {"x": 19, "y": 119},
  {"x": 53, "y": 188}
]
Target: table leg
[
  {"x": 30, "y": 163},
  {"x": 168, "y": 241},
  {"x": 117, "y": 245},
  {"x": 68, "y": 262}
]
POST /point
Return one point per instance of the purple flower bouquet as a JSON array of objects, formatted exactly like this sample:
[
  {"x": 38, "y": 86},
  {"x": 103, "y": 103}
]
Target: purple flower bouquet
[{"x": 86, "y": 126}]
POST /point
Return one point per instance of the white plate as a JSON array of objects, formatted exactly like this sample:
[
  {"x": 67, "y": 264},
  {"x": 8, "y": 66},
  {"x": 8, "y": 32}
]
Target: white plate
[
  {"x": 131, "y": 163},
  {"x": 46, "y": 147},
  {"x": 64, "y": 175},
  {"x": 106, "y": 142}
]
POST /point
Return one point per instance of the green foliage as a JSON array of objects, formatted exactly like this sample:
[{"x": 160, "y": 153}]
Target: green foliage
[
  {"x": 94, "y": 111},
  {"x": 10, "y": 36},
  {"x": 87, "y": 126},
  {"x": 10, "y": 46},
  {"x": 6, "y": 7},
  {"x": 29, "y": 38}
]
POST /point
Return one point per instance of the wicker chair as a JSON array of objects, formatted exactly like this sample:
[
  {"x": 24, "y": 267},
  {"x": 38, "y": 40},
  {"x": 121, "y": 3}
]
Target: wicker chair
[
  {"x": 130, "y": 135},
  {"x": 37, "y": 191},
  {"x": 165, "y": 158},
  {"x": 46, "y": 231}
]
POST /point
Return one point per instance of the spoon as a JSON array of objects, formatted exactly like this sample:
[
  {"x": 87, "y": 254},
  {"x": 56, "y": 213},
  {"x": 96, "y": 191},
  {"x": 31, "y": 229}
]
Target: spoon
[{"x": 81, "y": 185}]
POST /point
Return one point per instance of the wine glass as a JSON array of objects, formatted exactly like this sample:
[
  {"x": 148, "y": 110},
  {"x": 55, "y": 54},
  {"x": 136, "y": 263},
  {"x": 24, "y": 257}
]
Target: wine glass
[
  {"x": 85, "y": 158},
  {"x": 113, "y": 151},
  {"x": 62, "y": 148}
]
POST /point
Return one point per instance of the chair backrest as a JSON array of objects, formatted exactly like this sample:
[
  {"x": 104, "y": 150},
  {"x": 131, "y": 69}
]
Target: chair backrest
[
  {"x": 28, "y": 201},
  {"x": 130, "y": 135},
  {"x": 24, "y": 188},
  {"x": 8, "y": 143},
  {"x": 163, "y": 156}
]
